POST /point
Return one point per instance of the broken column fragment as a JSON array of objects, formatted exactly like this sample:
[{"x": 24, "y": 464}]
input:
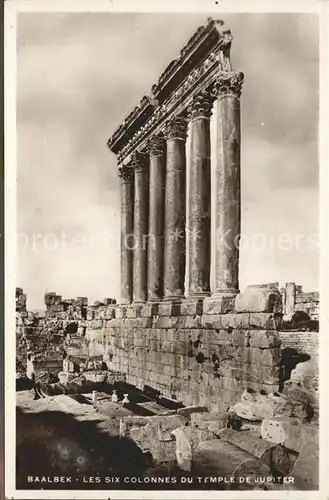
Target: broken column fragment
[
  {"x": 271, "y": 454},
  {"x": 223, "y": 459}
]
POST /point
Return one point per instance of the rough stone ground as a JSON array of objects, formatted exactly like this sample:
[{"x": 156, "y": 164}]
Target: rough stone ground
[{"x": 60, "y": 436}]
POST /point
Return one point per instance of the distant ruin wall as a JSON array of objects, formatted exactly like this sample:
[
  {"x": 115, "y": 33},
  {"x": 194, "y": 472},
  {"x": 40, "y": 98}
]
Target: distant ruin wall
[
  {"x": 304, "y": 342},
  {"x": 294, "y": 299},
  {"x": 308, "y": 302}
]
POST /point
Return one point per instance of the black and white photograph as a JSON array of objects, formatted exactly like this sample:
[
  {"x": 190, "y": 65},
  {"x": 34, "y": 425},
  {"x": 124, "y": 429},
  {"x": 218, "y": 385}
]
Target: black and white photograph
[{"x": 166, "y": 218}]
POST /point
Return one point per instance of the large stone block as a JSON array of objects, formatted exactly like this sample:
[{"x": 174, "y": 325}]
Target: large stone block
[
  {"x": 164, "y": 322},
  {"x": 262, "y": 298},
  {"x": 193, "y": 321},
  {"x": 191, "y": 307},
  {"x": 169, "y": 308},
  {"x": 264, "y": 321},
  {"x": 273, "y": 455},
  {"x": 235, "y": 321},
  {"x": 227, "y": 462},
  {"x": 211, "y": 321},
  {"x": 249, "y": 355},
  {"x": 289, "y": 432},
  {"x": 264, "y": 339},
  {"x": 270, "y": 374},
  {"x": 218, "y": 305},
  {"x": 306, "y": 468},
  {"x": 134, "y": 310},
  {"x": 256, "y": 405},
  {"x": 270, "y": 357},
  {"x": 149, "y": 310},
  {"x": 140, "y": 323},
  {"x": 121, "y": 311},
  {"x": 240, "y": 338}
]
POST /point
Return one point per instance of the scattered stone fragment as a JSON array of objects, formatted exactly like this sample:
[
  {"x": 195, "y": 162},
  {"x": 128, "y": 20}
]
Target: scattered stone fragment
[{"x": 223, "y": 459}]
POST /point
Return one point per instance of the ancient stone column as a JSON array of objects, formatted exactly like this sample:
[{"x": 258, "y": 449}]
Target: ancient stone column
[
  {"x": 175, "y": 199},
  {"x": 290, "y": 298},
  {"x": 157, "y": 174},
  {"x": 139, "y": 164},
  {"x": 199, "y": 196},
  {"x": 127, "y": 226},
  {"x": 228, "y": 203}
]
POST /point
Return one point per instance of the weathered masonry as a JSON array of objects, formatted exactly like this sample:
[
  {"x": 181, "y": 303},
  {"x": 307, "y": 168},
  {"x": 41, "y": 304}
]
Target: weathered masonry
[
  {"x": 151, "y": 150},
  {"x": 196, "y": 343}
]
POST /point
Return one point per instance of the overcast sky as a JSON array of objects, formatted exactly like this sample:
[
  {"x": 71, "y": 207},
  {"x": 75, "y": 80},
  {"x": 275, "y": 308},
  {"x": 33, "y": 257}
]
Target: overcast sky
[{"x": 78, "y": 75}]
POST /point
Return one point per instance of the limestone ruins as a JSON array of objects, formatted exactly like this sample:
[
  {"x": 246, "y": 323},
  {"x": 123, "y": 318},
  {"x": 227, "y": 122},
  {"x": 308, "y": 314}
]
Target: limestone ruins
[{"x": 240, "y": 368}]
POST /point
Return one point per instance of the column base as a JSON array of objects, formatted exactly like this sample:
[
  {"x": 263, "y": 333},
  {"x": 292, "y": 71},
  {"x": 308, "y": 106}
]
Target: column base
[
  {"x": 197, "y": 295},
  {"x": 225, "y": 292},
  {"x": 170, "y": 307},
  {"x": 259, "y": 298},
  {"x": 192, "y": 306},
  {"x": 134, "y": 310},
  {"x": 150, "y": 308},
  {"x": 219, "y": 303},
  {"x": 173, "y": 298},
  {"x": 153, "y": 299}
]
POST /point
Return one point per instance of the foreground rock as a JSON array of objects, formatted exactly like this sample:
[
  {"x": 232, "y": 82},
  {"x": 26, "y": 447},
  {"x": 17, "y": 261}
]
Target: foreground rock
[
  {"x": 223, "y": 459},
  {"x": 306, "y": 468},
  {"x": 271, "y": 454},
  {"x": 153, "y": 434},
  {"x": 289, "y": 432}
]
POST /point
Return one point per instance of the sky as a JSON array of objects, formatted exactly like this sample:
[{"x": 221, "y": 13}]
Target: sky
[{"x": 79, "y": 75}]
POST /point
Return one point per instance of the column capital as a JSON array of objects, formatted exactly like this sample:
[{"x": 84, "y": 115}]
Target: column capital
[
  {"x": 176, "y": 128},
  {"x": 138, "y": 162},
  {"x": 157, "y": 145},
  {"x": 126, "y": 173},
  {"x": 228, "y": 83},
  {"x": 201, "y": 105}
]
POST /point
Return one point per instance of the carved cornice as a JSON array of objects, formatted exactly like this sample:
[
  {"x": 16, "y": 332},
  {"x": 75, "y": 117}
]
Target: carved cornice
[
  {"x": 139, "y": 162},
  {"x": 214, "y": 37},
  {"x": 126, "y": 173},
  {"x": 176, "y": 128},
  {"x": 228, "y": 83},
  {"x": 141, "y": 112},
  {"x": 201, "y": 105},
  {"x": 157, "y": 145},
  {"x": 209, "y": 66},
  {"x": 216, "y": 30}
]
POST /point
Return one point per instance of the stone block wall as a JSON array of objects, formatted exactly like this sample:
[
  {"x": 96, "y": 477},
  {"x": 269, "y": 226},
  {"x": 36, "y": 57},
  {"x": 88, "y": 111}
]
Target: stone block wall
[
  {"x": 308, "y": 302},
  {"x": 192, "y": 352},
  {"x": 303, "y": 342},
  {"x": 194, "y": 358},
  {"x": 45, "y": 334}
]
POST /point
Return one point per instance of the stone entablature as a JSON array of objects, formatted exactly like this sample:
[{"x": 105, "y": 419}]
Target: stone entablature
[
  {"x": 151, "y": 143},
  {"x": 209, "y": 46}
]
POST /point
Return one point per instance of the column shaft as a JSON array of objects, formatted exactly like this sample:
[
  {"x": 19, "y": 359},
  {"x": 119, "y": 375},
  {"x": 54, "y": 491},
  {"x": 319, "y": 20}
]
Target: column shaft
[
  {"x": 127, "y": 223},
  {"x": 156, "y": 219},
  {"x": 290, "y": 298},
  {"x": 140, "y": 229},
  {"x": 228, "y": 198},
  {"x": 199, "y": 197},
  {"x": 175, "y": 199}
]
